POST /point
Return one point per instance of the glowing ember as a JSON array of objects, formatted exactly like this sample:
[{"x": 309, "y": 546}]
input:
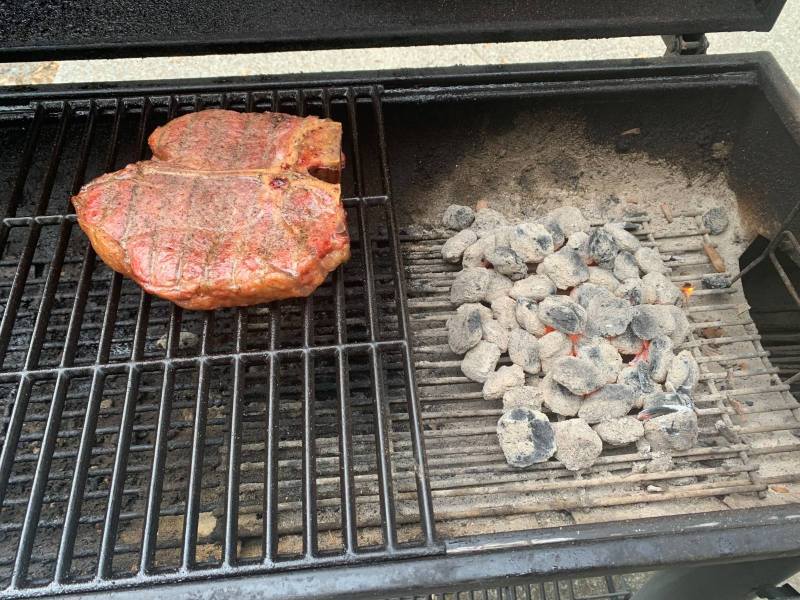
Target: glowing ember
[
  {"x": 687, "y": 289},
  {"x": 644, "y": 354}
]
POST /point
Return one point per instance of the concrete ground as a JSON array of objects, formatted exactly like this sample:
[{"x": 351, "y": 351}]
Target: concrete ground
[{"x": 782, "y": 41}]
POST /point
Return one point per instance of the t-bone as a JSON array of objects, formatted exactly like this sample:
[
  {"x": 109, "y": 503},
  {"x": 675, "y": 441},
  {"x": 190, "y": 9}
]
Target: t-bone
[
  {"x": 526, "y": 437},
  {"x": 523, "y": 350},
  {"x": 480, "y": 361},
  {"x": 578, "y": 375},
  {"x": 499, "y": 382},
  {"x": 577, "y": 444},
  {"x": 563, "y": 314},
  {"x": 453, "y": 249},
  {"x": 458, "y": 217},
  {"x": 566, "y": 268},
  {"x": 533, "y": 287}
]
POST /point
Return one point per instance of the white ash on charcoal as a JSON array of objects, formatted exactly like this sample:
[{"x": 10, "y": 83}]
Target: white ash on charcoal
[
  {"x": 495, "y": 333},
  {"x": 565, "y": 268},
  {"x": 527, "y": 396},
  {"x": 583, "y": 293},
  {"x": 675, "y": 431},
  {"x": 652, "y": 320},
  {"x": 602, "y": 354},
  {"x": 552, "y": 226},
  {"x": 624, "y": 239},
  {"x": 558, "y": 399},
  {"x": 577, "y": 444},
  {"x": 499, "y": 382},
  {"x": 531, "y": 241},
  {"x": 453, "y": 249},
  {"x": 458, "y": 217},
  {"x": 534, "y": 287},
  {"x": 637, "y": 376},
  {"x": 635, "y": 292},
  {"x": 625, "y": 266},
  {"x": 479, "y": 362},
  {"x": 649, "y": 261},
  {"x": 609, "y": 402},
  {"x": 552, "y": 346},
  {"x": 716, "y": 281},
  {"x": 574, "y": 303},
  {"x": 464, "y": 329},
  {"x": 563, "y": 314},
  {"x": 620, "y": 431},
  {"x": 570, "y": 220},
  {"x": 683, "y": 373},
  {"x": 578, "y": 375},
  {"x": 603, "y": 278},
  {"x": 487, "y": 220},
  {"x": 715, "y": 220},
  {"x": 527, "y": 316},
  {"x": 579, "y": 242},
  {"x": 507, "y": 262},
  {"x": 526, "y": 437},
  {"x": 504, "y": 311},
  {"x": 603, "y": 248},
  {"x": 628, "y": 343},
  {"x": 608, "y": 316},
  {"x": 662, "y": 290},
  {"x": 659, "y": 357},
  {"x": 523, "y": 350}
]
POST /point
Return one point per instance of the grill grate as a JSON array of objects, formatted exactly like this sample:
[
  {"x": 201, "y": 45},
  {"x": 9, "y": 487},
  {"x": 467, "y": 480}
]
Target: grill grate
[
  {"x": 747, "y": 415},
  {"x": 144, "y": 444}
]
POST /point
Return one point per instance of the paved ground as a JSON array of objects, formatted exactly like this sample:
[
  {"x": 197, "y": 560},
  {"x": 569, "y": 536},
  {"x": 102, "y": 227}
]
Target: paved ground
[{"x": 782, "y": 41}]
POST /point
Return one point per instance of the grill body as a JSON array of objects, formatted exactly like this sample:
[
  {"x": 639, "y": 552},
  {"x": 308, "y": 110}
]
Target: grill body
[{"x": 280, "y": 451}]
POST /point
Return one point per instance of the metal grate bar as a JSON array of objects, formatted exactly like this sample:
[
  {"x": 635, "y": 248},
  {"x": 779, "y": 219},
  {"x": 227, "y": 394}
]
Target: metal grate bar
[
  {"x": 270, "y": 511},
  {"x": 159, "y": 456},
  {"x": 424, "y": 498},
  {"x": 234, "y": 448}
]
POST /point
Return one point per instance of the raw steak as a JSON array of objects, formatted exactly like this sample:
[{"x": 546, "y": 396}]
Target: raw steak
[{"x": 217, "y": 219}]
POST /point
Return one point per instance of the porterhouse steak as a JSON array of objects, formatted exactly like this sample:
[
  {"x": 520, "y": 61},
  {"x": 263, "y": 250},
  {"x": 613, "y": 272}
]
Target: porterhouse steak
[{"x": 234, "y": 209}]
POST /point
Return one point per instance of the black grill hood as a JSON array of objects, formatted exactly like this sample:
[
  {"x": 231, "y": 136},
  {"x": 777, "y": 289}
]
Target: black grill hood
[{"x": 61, "y": 29}]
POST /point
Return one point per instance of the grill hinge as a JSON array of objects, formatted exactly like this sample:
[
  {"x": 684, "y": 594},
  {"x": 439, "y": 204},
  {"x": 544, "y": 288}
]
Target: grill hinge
[{"x": 685, "y": 44}]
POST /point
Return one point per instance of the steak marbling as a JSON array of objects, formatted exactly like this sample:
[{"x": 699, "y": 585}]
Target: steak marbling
[{"x": 234, "y": 209}]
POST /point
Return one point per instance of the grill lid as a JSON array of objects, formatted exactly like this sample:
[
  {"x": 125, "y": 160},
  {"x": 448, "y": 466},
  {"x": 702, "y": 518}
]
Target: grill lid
[{"x": 37, "y": 30}]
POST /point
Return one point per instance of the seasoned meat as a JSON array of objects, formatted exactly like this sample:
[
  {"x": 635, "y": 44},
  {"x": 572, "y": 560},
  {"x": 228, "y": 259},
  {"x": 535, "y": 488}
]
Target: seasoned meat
[{"x": 216, "y": 219}]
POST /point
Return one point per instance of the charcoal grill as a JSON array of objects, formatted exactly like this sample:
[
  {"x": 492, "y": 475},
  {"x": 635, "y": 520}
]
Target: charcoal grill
[{"x": 329, "y": 446}]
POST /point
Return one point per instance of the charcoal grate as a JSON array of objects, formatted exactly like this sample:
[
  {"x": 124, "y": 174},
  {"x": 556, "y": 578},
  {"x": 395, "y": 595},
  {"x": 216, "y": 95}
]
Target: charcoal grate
[{"x": 142, "y": 443}]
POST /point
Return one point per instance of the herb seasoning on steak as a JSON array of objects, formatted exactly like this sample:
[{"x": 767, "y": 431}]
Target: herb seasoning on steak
[{"x": 234, "y": 209}]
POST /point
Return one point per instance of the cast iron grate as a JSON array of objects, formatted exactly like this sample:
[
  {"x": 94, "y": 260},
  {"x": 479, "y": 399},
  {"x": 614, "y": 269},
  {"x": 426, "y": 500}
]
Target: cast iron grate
[{"x": 142, "y": 443}]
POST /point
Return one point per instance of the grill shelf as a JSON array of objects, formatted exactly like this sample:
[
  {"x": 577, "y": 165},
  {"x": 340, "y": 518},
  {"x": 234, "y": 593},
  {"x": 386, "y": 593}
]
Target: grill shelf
[
  {"x": 334, "y": 430},
  {"x": 125, "y": 453}
]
